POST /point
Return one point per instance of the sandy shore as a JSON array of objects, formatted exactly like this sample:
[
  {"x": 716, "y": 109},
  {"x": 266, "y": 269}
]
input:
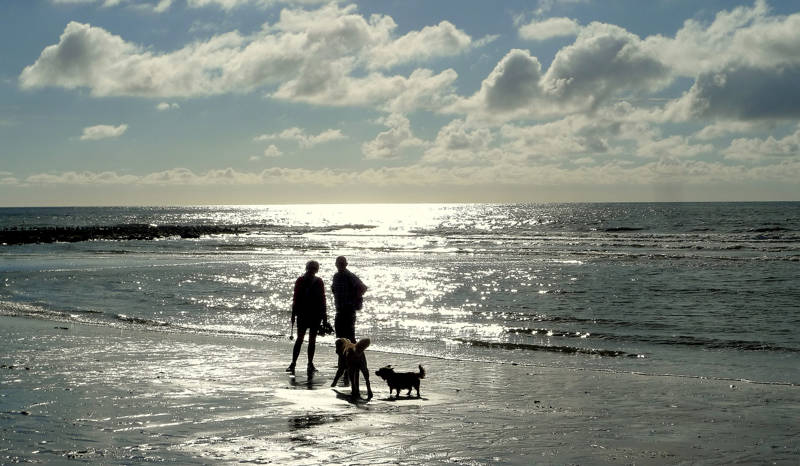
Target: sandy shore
[{"x": 130, "y": 396}]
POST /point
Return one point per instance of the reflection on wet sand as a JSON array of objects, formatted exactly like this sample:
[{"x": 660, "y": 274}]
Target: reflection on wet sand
[
  {"x": 307, "y": 383},
  {"x": 96, "y": 394},
  {"x": 314, "y": 420}
]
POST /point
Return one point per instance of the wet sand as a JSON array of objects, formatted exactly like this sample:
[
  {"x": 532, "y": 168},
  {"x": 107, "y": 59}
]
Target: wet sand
[{"x": 118, "y": 395}]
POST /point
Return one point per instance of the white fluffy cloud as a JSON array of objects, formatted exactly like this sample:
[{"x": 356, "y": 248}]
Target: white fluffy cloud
[
  {"x": 604, "y": 62},
  {"x": 311, "y": 56},
  {"x": 272, "y": 151},
  {"x": 745, "y": 63},
  {"x": 742, "y": 37},
  {"x": 457, "y": 142},
  {"x": 720, "y": 129},
  {"x": 95, "y": 133},
  {"x": 390, "y": 143},
  {"x": 549, "y": 28},
  {"x": 755, "y": 149},
  {"x": 304, "y": 139},
  {"x": 164, "y": 106},
  {"x": 443, "y": 39}
]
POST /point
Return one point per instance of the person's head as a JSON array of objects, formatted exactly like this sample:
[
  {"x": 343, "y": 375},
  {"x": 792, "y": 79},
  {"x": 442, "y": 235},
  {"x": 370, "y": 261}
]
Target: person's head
[
  {"x": 341, "y": 263},
  {"x": 312, "y": 267}
]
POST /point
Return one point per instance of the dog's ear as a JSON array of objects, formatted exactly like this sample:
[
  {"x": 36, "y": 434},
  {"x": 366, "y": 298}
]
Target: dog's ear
[
  {"x": 339, "y": 345},
  {"x": 362, "y": 345}
]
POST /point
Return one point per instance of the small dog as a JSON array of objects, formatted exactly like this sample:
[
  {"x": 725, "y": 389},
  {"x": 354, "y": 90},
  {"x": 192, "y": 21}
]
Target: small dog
[
  {"x": 401, "y": 380},
  {"x": 352, "y": 360}
]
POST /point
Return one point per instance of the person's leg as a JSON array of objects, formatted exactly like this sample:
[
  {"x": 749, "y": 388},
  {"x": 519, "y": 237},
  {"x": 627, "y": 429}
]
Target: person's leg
[
  {"x": 301, "y": 334},
  {"x": 351, "y": 330},
  {"x": 339, "y": 327},
  {"x": 312, "y": 341}
]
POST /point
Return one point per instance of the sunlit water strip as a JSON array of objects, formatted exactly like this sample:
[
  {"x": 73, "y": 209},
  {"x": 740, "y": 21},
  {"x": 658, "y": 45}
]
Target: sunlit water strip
[{"x": 695, "y": 289}]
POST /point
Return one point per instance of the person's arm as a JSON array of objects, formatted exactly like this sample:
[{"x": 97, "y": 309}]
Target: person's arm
[{"x": 294, "y": 298}]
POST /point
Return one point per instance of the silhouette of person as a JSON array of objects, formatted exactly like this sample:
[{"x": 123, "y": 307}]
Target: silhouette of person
[
  {"x": 348, "y": 291},
  {"x": 310, "y": 309}
]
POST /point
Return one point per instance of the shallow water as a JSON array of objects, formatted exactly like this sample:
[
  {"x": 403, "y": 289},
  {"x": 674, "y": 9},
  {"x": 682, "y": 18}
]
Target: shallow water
[{"x": 703, "y": 290}]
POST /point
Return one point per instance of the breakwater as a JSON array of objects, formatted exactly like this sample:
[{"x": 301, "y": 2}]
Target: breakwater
[{"x": 113, "y": 233}]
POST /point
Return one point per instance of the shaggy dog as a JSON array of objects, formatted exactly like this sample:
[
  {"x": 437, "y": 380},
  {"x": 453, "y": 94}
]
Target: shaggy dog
[
  {"x": 401, "y": 380},
  {"x": 352, "y": 360}
]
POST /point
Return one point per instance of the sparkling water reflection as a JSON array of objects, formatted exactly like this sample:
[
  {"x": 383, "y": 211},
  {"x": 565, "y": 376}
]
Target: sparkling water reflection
[{"x": 704, "y": 289}]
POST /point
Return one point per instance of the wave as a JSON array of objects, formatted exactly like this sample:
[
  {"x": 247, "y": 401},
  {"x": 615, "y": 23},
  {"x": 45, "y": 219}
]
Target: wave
[
  {"x": 679, "y": 340},
  {"x": 548, "y": 348},
  {"x": 622, "y": 229}
]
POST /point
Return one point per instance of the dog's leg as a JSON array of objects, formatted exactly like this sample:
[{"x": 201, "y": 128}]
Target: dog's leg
[
  {"x": 356, "y": 391},
  {"x": 339, "y": 372},
  {"x": 365, "y": 371},
  {"x": 416, "y": 385}
]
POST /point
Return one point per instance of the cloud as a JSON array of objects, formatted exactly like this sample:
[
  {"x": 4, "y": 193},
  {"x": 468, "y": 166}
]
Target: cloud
[
  {"x": 604, "y": 62},
  {"x": 155, "y": 6},
  {"x": 8, "y": 178},
  {"x": 512, "y": 86},
  {"x": 95, "y": 133},
  {"x": 721, "y": 129},
  {"x": 164, "y": 106},
  {"x": 390, "y": 143},
  {"x": 672, "y": 147},
  {"x": 441, "y": 40},
  {"x": 755, "y": 149},
  {"x": 744, "y": 63},
  {"x": 549, "y": 28},
  {"x": 82, "y": 178},
  {"x": 574, "y": 136},
  {"x": 694, "y": 173},
  {"x": 544, "y": 6},
  {"x": 743, "y": 93},
  {"x": 160, "y": 6},
  {"x": 228, "y": 5},
  {"x": 302, "y": 138},
  {"x": 318, "y": 56},
  {"x": 459, "y": 143},
  {"x": 270, "y": 152},
  {"x": 742, "y": 37}
]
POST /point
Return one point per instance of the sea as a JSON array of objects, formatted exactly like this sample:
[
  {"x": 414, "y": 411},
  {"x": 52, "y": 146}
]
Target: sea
[{"x": 700, "y": 290}]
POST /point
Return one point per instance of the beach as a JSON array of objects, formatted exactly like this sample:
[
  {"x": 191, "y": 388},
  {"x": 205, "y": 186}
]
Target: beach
[{"x": 93, "y": 393}]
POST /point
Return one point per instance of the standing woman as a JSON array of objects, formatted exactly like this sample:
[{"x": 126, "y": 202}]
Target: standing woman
[{"x": 310, "y": 310}]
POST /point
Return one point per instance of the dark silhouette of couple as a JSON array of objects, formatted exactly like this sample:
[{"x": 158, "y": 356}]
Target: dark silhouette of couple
[{"x": 310, "y": 310}]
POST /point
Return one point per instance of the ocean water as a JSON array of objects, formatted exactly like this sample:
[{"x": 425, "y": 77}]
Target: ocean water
[{"x": 690, "y": 289}]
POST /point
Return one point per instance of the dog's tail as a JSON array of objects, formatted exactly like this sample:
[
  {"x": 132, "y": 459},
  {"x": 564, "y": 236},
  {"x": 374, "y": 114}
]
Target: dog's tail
[
  {"x": 362, "y": 345},
  {"x": 421, "y": 372}
]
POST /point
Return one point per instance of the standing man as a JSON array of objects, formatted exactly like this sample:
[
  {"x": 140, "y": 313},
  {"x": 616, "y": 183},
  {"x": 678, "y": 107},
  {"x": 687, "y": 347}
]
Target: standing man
[
  {"x": 348, "y": 291},
  {"x": 310, "y": 309}
]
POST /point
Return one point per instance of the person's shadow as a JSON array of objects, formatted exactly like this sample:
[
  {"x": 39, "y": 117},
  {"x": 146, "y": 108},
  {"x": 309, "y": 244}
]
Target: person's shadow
[{"x": 348, "y": 397}]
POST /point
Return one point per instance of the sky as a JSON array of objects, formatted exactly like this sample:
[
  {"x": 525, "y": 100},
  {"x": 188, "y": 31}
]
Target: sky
[{"x": 169, "y": 102}]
